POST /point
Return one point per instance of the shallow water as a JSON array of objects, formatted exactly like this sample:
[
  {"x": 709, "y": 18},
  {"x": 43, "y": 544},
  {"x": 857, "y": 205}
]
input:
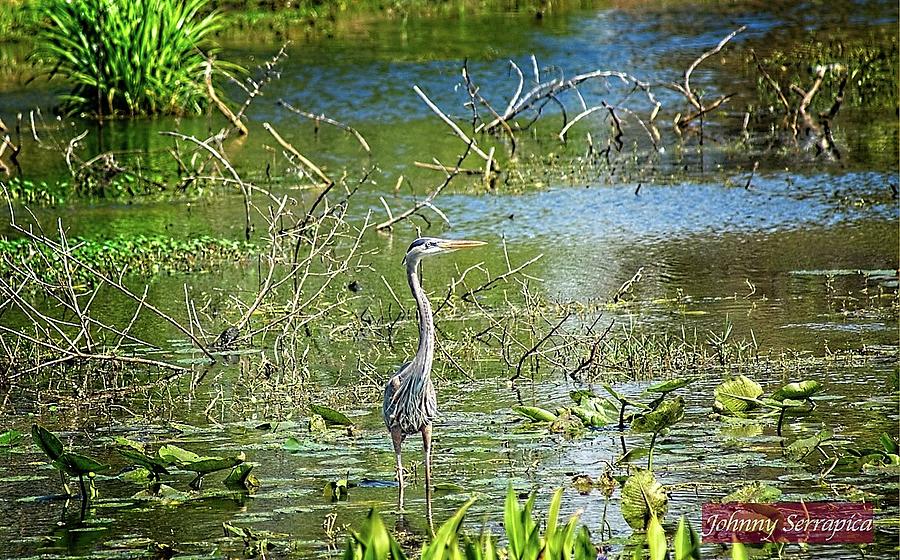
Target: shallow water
[{"x": 804, "y": 262}]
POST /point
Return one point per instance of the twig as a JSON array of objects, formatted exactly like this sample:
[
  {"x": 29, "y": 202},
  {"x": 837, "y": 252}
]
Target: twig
[
  {"x": 309, "y": 164},
  {"x": 427, "y": 202},
  {"x": 685, "y": 89},
  {"x": 453, "y": 126},
  {"x": 443, "y": 168},
  {"x": 324, "y": 119},
  {"x": 534, "y": 348},
  {"x": 223, "y": 108},
  {"x": 468, "y": 295}
]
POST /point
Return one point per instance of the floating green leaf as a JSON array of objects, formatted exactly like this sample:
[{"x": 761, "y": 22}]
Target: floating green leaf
[
  {"x": 535, "y": 413},
  {"x": 634, "y": 454},
  {"x": 330, "y": 415},
  {"x": 664, "y": 416},
  {"x": 174, "y": 455},
  {"x": 736, "y": 395},
  {"x": 206, "y": 465},
  {"x": 80, "y": 465},
  {"x": 49, "y": 443},
  {"x": 137, "y": 453},
  {"x": 448, "y": 487},
  {"x": 800, "y": 390},
  {"x": 643, "y": 497},
  {"x": 804, "y": 446},
  {"x": 670, "y": 385}
]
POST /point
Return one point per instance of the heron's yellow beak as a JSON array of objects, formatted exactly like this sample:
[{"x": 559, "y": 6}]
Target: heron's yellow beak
[{"x": 454, "y": 244}]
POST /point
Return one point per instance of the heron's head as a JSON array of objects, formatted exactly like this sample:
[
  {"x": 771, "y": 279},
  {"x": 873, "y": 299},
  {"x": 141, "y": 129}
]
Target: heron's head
[{"x": 428, "y": 246}]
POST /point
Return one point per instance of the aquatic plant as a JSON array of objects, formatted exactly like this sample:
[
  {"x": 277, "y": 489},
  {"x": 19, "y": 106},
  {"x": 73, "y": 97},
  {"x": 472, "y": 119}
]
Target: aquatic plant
[
  {"x": 10, "y": 438},
  {"x": 523, "y": 534},
  {"x": 643, "y": 498},
  {"x": 139, "y": 254},
  {"x": 656, "y": 420},
  {"x": 73, "y": 464},
  {"x": 130, "y": 58}
]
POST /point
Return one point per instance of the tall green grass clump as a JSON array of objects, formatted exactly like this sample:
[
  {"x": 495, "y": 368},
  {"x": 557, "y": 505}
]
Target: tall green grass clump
[{"x": 129, "y": 58}]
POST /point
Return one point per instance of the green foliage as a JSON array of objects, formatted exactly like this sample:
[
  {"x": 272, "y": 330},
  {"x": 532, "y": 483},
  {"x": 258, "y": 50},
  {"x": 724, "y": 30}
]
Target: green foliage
[
  {"x": 47, "y": 441},
  {"x": 656, "y": 539},
  {"x": 446, "y": 541},
  {"x": 558, "y": 542},
  {"x": 73, "y": 464},
  {"x": 643, "y": 498},
  {"x": 373, "y": 542},
  {"x": 799, "y": 390},
  {"x": 535, "y": 413},
  {"x": 139, "y": 254},
  {"x": 129, "y": 58},
  {"x": 9, "y": 438},
  {"x": 756, "y": 492},
  {"x": 686, "y": 542},
  {"x": 330, "y": 415},
  {"x": 736, "y": 395}
]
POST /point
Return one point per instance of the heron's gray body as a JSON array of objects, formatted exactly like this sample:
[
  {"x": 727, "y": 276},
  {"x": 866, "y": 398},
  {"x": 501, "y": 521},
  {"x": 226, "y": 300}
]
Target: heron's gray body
[{"x": 410, "y": 402}]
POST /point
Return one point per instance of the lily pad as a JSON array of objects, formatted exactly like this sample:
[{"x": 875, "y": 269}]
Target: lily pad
[
  {"x": 804, "y": 446},
  {"x": 137, "y": 454},
  {"x": 330, "y": 415},
  {"x": 448, "y": 487},
  {"x": 800, "y": 390},
  {"x": 535, "y": 413},
  {"x": 736, "y": 395},
  {"x": 634, "y": 454},
  {"x": 174, "y": 455},
  {"x": 643, "y": 497},
  {"x": 664, "y": 416},
  {"x": 49, "y": 443},
  {"x": 206, "y": 465},
  {"x": 670, "y": 385},
  {"x": 79, "y": 465}
]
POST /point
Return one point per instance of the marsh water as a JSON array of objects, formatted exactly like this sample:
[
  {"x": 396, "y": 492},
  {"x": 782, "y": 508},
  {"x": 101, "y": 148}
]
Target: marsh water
[{"x": 804, "y": 263}]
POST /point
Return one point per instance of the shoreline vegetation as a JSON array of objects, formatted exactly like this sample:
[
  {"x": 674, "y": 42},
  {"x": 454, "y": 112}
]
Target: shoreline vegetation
[{"x": 20, "y": 19}]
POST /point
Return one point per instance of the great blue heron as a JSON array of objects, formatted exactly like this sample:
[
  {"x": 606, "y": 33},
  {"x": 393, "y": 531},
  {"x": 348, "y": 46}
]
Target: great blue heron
[{"x": 410, "y": 403}]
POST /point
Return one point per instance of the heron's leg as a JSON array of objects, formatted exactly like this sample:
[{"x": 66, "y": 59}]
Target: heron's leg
[
  {"x": 426, "y": 444},
  {"x": 397, "y": 438}
]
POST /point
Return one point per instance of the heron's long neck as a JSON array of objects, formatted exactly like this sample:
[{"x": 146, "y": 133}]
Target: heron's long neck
[{"x": 425, "y": 353}]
